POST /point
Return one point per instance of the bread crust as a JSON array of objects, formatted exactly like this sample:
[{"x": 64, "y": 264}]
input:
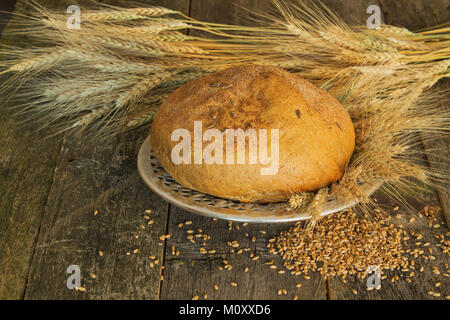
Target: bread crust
[{"x": 316, "y": 134}]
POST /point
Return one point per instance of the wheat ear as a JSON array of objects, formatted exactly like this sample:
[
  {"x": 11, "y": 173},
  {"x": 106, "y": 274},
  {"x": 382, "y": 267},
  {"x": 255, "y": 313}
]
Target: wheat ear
[
  {"x": 141, "y": 88},
  {"x": 315, "y": 206},
  {"x": 126, "y": 14},
  {"x": 141, "y": 120},
  {"x": 43, "y": 61},
  {"x": 300, "y": 200}
]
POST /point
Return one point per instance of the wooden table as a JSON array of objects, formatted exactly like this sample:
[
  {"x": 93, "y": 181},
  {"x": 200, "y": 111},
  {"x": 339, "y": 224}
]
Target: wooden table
[{"x": 51, "y": 187}]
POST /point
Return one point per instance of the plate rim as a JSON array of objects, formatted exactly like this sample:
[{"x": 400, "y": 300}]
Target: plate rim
[{"x": 144, "y": 167}]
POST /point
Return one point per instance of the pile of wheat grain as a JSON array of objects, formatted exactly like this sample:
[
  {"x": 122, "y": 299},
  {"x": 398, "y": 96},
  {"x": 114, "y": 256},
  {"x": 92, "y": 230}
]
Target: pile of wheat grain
[{"x": 342, "y": 244}]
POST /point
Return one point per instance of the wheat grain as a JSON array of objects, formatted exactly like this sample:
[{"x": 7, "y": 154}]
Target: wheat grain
[
  {"x": 344, "y": 245},
  {"x": 70, "y": 90},
  {"x": 401, "y": 44},
  {"x": 386, "y": 30},
  {"x": 379, "y": 44},
  {"x": 314, "y": 207},
  {"x": 90, "y": 117}
]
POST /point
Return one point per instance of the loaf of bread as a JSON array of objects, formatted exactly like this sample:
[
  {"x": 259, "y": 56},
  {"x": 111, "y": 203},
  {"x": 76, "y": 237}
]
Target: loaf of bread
[{"x": 309, "y": 135}]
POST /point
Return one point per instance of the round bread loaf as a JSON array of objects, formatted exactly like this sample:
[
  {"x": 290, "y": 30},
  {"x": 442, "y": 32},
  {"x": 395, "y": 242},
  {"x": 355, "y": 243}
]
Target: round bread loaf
[{"x": 315, "y": 139}]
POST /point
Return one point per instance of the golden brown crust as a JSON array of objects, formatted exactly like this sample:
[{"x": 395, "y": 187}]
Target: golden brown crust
[{"x": 316, "y": 134}]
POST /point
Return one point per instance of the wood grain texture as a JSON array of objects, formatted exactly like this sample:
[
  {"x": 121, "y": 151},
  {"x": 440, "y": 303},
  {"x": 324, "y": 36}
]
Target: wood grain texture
[
  {"x": 438, "y": 154},
  {"x": 99, "y": 178},
  {"x": 27, "y": 163},
  {"x": 193, "y": 273},
  {"x": 415, "y": 14},
  {"x": 103, "y": 178}
]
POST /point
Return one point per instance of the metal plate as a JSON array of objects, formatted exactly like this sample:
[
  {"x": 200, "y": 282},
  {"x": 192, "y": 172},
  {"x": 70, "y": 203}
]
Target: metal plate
[{"x": 204, "y": 204}]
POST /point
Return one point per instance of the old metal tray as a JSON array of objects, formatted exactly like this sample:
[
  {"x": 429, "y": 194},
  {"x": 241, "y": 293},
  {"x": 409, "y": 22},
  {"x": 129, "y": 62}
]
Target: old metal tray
[{"x": 204, "y": 204}]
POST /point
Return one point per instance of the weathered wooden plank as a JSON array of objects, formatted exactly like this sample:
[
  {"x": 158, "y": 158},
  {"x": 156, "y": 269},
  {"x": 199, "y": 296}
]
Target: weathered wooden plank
[
  {"x": 103, "y": 178},
  {"x": 99, "y": 178},
  {"x": 438, "y": 155},
  {"x": 193, "y": 273},
  {"x": 6, "y": 7},
  {"x": 27, "y": 163},
  {"x": 416, "y": 14}
]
